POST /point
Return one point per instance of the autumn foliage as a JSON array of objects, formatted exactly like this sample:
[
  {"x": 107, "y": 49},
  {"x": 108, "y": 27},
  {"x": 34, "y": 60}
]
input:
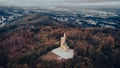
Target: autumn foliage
[{"x": 91, "y": 49}]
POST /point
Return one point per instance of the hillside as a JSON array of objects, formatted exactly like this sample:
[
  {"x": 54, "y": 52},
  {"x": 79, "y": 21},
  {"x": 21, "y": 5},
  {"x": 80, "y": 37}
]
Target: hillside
[{"x": 24, "y": 41}]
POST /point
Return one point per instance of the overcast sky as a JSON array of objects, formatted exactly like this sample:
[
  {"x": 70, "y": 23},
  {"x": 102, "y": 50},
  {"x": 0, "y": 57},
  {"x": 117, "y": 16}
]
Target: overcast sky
[{"x": 48, "y": 3}]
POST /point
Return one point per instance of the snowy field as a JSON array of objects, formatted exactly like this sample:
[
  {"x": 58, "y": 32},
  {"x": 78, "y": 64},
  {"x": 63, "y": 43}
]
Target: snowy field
[{"x": 64, "y": 54}]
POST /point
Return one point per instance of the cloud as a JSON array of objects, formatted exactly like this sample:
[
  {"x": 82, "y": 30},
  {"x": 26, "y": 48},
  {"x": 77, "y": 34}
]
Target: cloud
[
  {"x": 48, "y": 3},
  {"x": 87, "y": 1},
  {"x": 112, "y": 3}
]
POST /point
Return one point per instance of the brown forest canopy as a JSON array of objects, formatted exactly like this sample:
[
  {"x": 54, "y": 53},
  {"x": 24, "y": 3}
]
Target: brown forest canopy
[{"x": 23, "y": 42}]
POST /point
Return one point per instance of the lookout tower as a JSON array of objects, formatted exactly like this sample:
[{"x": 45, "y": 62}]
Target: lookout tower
[
  {"x": 63, "y": 45},
  {"x": 63, "y": 51}
]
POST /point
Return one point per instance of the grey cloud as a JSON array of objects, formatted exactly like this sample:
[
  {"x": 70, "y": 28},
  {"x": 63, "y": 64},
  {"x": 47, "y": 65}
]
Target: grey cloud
[
  {"x": 49, "y": 3},
  {"x": 87, "y": 1}
]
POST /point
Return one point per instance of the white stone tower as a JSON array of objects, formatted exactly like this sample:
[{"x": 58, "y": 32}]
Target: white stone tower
[
  {"x": 64, "y": 52},
  {"x": 64, "y": 46}
]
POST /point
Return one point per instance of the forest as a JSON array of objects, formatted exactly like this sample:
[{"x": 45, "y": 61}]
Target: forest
[{"x": 23, "y": 44}]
